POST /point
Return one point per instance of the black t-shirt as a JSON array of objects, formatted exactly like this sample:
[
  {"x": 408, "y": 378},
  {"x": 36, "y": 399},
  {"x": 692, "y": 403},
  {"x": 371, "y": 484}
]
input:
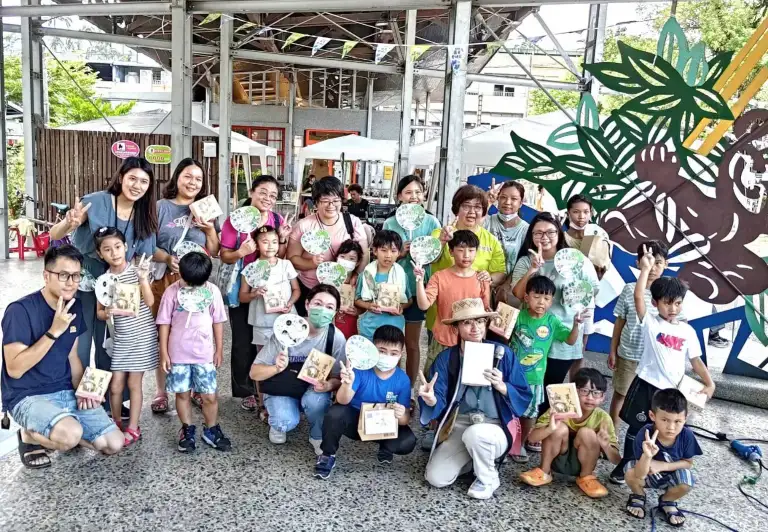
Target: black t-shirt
[
  {"x": 358, "y": 209},
  {"x": 26, "y": 321}
]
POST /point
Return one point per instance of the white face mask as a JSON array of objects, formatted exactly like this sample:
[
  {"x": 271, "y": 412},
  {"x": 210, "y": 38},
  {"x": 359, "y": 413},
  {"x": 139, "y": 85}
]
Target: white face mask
[
  {"x": 576, "y": 226},
  {"x": 507, "y": 217},
  {"x": 387, "y": 362},
  {"x": 348, "y": 265}
]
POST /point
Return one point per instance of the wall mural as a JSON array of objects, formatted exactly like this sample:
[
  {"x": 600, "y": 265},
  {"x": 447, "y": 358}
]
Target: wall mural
[{"x": 656, "y": 171}]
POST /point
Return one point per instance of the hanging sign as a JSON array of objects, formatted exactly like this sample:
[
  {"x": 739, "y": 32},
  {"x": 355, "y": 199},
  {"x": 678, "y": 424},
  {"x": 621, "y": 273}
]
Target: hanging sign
[
  {"x": 125, "y": 148},
  {"x": 320, "y": 42},
  {"x": 158, "y": 154},
  {"x": 388, "y": 172},
  {"x": 456, "y": 54},
  {"x": 381, "y": 51},
  {"x": 348, "y": 45}
]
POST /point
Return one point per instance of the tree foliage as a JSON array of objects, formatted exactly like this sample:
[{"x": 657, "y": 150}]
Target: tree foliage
[{"x": 67, "y": 104}]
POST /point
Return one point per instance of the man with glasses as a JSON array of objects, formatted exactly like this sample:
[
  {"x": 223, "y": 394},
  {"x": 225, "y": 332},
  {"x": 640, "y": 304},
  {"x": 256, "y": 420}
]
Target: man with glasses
[
  {"x": 474, "y": 421},
  {"x": 573, "y": 446},
  {"x": 41, "y": 369}
]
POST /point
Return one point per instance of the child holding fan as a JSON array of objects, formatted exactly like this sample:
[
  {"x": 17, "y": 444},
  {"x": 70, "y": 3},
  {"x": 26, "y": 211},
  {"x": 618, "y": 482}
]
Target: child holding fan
[
  {"x": 134, "y": 337},
  {"x": 350, "y": 255}
]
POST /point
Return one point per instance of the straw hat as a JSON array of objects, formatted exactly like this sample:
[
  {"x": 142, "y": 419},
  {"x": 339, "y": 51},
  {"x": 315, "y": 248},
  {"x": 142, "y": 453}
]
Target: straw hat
[{"x": 468, "y": 309}]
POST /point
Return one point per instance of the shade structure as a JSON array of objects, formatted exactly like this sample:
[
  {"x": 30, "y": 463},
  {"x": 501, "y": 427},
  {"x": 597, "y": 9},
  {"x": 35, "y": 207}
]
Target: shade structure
[{"x": 352, "y": 147}]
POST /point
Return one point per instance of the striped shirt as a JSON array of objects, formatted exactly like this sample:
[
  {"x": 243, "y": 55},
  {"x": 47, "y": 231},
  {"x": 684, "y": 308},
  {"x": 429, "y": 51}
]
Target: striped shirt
[{"x": 134, "y": 344}]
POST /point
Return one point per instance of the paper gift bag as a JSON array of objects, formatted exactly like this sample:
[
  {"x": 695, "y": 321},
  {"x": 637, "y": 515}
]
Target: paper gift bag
[
  {"x": 126, "y": 300},
  {"x": 347, "y": 292},
  {"x": 388, "y": 297},
  {"x": 94, "y": 384},
  {"x": 274, "y": 299},
  {"x": 377, "y": 422},
  {"x": 692, "y": 390},
  {"x": 206, "y": 209},
  {"x": 564, "y": 400},
  {"x": 504, "y": 323},
  {"x": 597, "y": 249},
  {"x": 316, "y": 367}
]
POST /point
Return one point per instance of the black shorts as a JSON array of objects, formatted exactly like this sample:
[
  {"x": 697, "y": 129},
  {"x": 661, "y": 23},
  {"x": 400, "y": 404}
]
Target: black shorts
[{"x": 637, "y": 404}]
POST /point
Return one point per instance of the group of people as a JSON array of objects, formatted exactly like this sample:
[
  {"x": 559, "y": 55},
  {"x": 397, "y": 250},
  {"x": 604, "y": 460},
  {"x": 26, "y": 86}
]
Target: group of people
[{"x": 48, "y": 335}]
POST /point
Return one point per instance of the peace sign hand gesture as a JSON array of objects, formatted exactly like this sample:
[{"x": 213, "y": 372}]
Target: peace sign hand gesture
[
  {"x": 143, "y": 268},
  {"x": 77, "y": 215},
  {"x": 446, "y": 233},
  {"x": 493, "y": 192},
  {"x": 603, "y": 436},
  {"x": 347, "y": 374},
  {"x": 537, "y": 259},
  {"x": 62, "y": 318},
  {"x": 650, "y": 449},
  {"x": 427, "y": 389},
  {"x": 418, "y": 271},
  {"x": 647, "y": 261},
  {"x": 284, "y": 231}
]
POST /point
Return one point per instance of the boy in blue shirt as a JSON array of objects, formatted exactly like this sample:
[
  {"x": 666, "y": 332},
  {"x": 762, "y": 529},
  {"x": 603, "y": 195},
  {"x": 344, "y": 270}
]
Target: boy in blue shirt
[
  {"x": 386, "y": 383},
  {"x": 663, "y": 460}
]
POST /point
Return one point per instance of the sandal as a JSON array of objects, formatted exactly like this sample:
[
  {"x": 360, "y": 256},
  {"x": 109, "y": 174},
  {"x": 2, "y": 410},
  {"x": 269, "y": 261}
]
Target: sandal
[
  {"x": 250, "y": 403},
  {"x": 197, "y": 400},
  {"x": 636, "y": 501},
  {"x": 33, "y": 456},
  {"x": 673, "y": 511},
  {"x": 131, "y": 436},
  {"x": 160, "y": 404}
]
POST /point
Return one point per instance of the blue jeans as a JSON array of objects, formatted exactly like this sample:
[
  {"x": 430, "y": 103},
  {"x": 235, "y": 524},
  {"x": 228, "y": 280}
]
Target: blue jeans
[{"x": 284, "y": 411}]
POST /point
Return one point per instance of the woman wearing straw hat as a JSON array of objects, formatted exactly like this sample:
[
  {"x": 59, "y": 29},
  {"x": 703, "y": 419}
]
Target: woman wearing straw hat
[{"x": 478, "y": 425}]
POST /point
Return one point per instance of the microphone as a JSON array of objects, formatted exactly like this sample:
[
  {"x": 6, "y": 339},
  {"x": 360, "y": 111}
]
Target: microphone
[{"x": 498, "y": 354}]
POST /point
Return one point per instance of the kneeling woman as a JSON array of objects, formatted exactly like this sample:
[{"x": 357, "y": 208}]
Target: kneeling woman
[
  {"x": 285, "y": 396},
  {"x": 474, "y": 421}
]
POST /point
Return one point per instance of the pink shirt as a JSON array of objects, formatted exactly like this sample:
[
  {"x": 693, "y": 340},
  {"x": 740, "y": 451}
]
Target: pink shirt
[
  {"x": 338, "y": 233},
  {"x": 193, "y": 344},
  {"x": 229, "y": 235}
]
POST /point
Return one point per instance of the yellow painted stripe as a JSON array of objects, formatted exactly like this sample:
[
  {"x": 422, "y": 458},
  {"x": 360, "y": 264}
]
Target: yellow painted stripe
[
  {"x": 714, "y": 137},
  {"x": 737, "y": 60}
]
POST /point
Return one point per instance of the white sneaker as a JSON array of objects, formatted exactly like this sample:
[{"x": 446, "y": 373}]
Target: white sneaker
[
  {"x": 316, "y": 446},
  {"x": 479, "y": 490},
  {"x": 276, "y": 436}
]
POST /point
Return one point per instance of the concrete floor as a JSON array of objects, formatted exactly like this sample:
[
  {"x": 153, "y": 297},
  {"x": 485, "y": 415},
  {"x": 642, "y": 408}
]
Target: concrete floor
[{"x": 259, "y": 486}]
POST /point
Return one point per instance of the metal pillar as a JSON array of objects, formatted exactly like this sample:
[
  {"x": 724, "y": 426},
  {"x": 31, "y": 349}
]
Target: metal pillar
[
  {"x": 33, "y": 102},
  {"x": 225, "y": 115},
  {"x": 188, "y": 81},
  {"x": 354, "y": 90},
  {"x": 593, "y": 52},
  {"x": 288, "y": 157},
  {"x": 3, "y": 160},
  {"x": 427, "y": 101},
  {"x": 407, "y": 94},
  {"x": 310, "y": 87},
  {"x": 180, "y": 129},
  {"x": 369, "y": 125},
  {"x": 449, "y": 174}
]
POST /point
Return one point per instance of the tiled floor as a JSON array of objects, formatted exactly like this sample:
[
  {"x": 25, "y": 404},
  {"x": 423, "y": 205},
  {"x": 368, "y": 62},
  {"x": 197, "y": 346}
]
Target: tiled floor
[{"x": 262, "y": 487}]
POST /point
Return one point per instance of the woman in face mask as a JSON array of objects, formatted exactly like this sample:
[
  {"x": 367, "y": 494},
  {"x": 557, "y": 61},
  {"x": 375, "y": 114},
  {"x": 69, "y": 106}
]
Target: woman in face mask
[
  {"x": 276, "y": 369},
  {"x": 410, "y": 189},
  {"x": 477, "y": 423}
]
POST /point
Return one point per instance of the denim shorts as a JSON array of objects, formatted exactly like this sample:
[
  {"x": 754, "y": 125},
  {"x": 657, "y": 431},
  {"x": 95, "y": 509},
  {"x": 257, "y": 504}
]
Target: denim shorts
[
  {"x": 414, "y": 314},
  {"x": 39, "y": 413},
  {"x": 200, "y": 378}
]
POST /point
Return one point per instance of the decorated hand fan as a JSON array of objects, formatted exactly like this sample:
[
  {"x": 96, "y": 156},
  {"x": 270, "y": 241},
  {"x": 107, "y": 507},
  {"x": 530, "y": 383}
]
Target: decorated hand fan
[
  {"x": 195, "y": 298},
  {"x": 596, "y": 230},
  {"x": 105, "y": 288},
  {"x": 578, "y": 294},
  {"x": 361, "y": 352},
  {"x": 569, "y": 263},
  {"x": 246, "y": 219},
  {"x": 257, "y": 273},
  {"x": 316, "y": 242},
  {"x": 331, "y": 273},
  {"x": 188, "y": 247},
  {"x": 290, "y": 329},
  {"x": 425, "y": 249},
  {"x": 87, "y": 281},
  {"x": 410, "y": 216}
]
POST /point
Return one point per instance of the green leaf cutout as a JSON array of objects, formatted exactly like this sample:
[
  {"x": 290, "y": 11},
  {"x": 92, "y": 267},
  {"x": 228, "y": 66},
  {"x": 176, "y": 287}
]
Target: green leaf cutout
[{"x": 672, "y": 45}]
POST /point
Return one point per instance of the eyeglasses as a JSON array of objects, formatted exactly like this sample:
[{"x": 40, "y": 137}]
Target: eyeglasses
[
  {"x": 585, "y": 392},
  {"x": 549, "y": 234},
  {"x": 64, "y": 277},
  {"x": 466, "y": 207},
  {"x": 328, "y": 203},
  {"x": 478, "y": 322},
  {"x": 266, "y": 195}
]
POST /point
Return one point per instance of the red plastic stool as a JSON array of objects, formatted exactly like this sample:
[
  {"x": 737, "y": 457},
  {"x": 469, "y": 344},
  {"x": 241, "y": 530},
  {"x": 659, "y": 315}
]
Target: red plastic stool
[{"x": 40, "y": 244}]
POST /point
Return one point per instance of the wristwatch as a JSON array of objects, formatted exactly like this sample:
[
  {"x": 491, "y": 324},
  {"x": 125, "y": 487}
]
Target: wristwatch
[{"x": 52, "y": 337}]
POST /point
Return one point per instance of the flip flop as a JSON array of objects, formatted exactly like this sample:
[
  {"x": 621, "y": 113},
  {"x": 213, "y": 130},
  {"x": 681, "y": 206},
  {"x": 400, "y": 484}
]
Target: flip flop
[{"x": 33, "y": 456}]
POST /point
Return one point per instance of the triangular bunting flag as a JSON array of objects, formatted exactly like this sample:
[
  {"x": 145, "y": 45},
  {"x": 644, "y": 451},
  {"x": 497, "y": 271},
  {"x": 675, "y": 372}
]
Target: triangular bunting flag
[
  {"x": 263, "y": 30},
  {"x": 418, "y": 50},
  {"x": 292, "y": 38},
  {"x": 246, "y": 26},
  {"x": 381, "y": 51},
  {"x": 211, "y": 18},
  {"x": 320, "y": 42},
  {"x": 491, "y": 47},
  {"x": 348, "y": 45}
]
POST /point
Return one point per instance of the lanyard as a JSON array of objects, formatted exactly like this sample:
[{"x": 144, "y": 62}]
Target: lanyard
[{"x": 130, "y": 217}]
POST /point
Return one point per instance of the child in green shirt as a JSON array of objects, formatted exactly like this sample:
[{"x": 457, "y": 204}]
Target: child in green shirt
[{"x": 535, "y": 331}]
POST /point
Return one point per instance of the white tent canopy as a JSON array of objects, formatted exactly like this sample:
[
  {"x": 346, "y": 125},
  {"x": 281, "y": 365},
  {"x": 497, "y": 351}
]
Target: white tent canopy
[{"x": 352, "y": 147}]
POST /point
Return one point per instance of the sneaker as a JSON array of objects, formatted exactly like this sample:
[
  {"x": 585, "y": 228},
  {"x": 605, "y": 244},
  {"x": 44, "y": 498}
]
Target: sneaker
[
  {"x": 428, "y": 440},
  {"x": 214, "y": 437},
  {"x": 521, "y": 458},
  {"x": 384, "y": 456},
  {"x": 276, "y": 436},
  {"x": 617, "y": 475},
  {"x": 536, "y": 477},
  {"x": 591, "y": 486},
  {"x": 533, "y": 446},
  {"x": 718, "y": 341},
  {"x": 316, "y": 446},
  {"x": 324, "y": 466},
  {"x": 480, "y": 490},
  {"x": 187, "y": 438}
]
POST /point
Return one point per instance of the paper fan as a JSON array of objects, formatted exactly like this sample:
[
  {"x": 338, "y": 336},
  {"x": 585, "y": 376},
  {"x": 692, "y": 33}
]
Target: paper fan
[
  {"x": 361, "y": 352},
  {"x": 105, "y": 288},
  {"x": 195, "y": 298},
  {"x": 87, "y": 281},
  {"x": 594, "y": 229},
  {"x": 578, "y": 295},
  {"x": 189, "y": 247},
  {"x": 290, "y": 329},
  {"x": 410, "y": 216},
  {"x": 316, "y": 242},
  {"x": 425, "y": 249},
  {"x": 569, "y": 263},
  {"x": 257, "y": 273},
  {"x": 331, "y": 273},
  {"x": 245, "y": 219}
]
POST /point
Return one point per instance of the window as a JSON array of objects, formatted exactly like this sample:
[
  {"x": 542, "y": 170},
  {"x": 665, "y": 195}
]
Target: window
[
  {"x": 157, "y": 77},
  {"x": 270, "y": 136},
  {"x": 503, "y": 90}
]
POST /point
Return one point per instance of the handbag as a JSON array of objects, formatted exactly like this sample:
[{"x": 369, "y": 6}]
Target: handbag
[
  {"x": 286, "y": 383},
  {"x": 228, "y": 280}
]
